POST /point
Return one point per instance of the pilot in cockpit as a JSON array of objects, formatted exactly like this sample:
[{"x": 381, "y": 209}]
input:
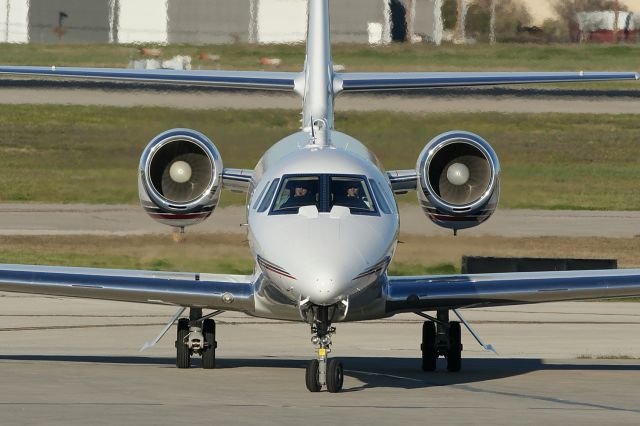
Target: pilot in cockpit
[
  {"x": 353, "y": 197},
  {"x": 300, "y": 194}
]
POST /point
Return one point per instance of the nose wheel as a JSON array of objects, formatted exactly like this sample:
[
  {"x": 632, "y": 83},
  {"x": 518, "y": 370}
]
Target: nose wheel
[
  {"x": 335, "y": 376},
  {"x": 312, "y": 376},
  {"x": 196, "y": 336},
  {"x": 323, "y": 371}
]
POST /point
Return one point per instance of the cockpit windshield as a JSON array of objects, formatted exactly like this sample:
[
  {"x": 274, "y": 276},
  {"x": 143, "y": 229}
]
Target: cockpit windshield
[
  {"x": 352, "y": 192},
  {"x": 324, "y": 192},
  {"x": 296, "y": 192}
]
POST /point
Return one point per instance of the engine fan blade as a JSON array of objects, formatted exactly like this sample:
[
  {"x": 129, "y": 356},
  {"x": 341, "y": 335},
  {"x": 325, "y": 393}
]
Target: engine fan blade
[
  {"x": 192, "y": 188},
  {"x": 473, "y": 188}
]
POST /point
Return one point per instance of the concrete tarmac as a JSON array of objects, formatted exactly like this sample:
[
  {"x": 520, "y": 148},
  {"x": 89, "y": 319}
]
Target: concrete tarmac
[
  {"x": 85, "y": 219},
  {"x": 399, "y": 103},
  {"x": 76, "y": 362}
]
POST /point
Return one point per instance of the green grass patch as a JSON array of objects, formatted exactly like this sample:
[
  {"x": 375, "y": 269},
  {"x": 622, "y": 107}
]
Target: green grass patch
[
  {"x": 89, "y": 154},
  {"x": 625, "y": 299},
  {"x": 222, "y": 265},
  {"x": 356, "y": 57},
  {"x": 405, "y": 269}
]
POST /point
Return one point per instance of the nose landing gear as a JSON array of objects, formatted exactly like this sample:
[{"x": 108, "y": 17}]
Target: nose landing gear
[
  {"x": 196, "y": 335},
  {"x": 441, "y": 337},
  {"x": 323, "y": 371}
]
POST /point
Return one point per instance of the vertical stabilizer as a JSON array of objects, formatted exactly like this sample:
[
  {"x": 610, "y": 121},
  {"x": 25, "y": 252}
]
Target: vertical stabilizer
[{"x": 318, "y": 70}]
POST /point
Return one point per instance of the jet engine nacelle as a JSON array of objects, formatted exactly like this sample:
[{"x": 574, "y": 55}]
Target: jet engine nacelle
[
  {"x": 179, "y": 179},
  {"x": 459, "y": 180}
]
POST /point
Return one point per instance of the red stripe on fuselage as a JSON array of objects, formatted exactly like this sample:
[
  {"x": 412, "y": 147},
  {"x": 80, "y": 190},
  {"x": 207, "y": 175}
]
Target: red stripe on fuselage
[
  {"x": 179, "y": 216},
  {"x": 455, "y": 218}
]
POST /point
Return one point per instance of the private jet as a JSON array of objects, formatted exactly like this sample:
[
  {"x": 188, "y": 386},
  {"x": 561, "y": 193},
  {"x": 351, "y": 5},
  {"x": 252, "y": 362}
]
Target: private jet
[{"x": 322, "y": 218}]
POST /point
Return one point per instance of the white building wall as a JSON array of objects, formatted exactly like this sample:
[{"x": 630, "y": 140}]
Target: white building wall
[
  {"x": 270, "y": 21},
  {"x": 281, "y": 21},
  {"x": 143, "y": 21},
  {"x": 543, "y": 9},
  {"x": 14, "y": 21}
]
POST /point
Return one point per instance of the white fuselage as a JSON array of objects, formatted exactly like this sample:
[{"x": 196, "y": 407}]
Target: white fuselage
[
  {"x": 319, "y": 254},
  {"x": 327, "y": 251}
]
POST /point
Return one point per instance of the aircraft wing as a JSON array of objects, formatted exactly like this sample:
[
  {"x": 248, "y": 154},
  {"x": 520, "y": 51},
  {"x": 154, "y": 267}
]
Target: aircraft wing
[
  {"x": 366, "y": 81},
  {"x": 225, "y": 292},
  {"x": 424, "y": 293},
  {"x": 262, "y": 80}
]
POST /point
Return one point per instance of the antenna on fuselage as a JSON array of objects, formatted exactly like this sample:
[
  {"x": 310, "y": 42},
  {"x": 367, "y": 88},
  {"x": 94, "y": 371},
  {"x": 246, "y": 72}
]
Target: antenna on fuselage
[{"x": 320, "y": 133}]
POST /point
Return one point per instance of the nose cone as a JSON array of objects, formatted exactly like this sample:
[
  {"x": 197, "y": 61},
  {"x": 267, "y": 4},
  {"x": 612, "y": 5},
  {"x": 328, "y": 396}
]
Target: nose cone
[
  {"x": 323, "y": 258},
  {"x": 328, "y": 280}
]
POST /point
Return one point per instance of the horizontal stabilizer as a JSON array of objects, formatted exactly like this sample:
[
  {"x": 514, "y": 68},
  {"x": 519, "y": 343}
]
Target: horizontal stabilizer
[
  {"x": 365, "y": 81},
  {"x": 262, "y": 80}
]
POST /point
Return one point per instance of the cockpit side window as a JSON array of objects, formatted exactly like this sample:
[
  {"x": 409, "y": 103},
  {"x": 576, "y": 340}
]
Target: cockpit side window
[
  {"x": 296, "y": 192},
  {"x": 352, "y": 192},
  {"x": 382, "y": 202},
  {"x": 259, "y": 197},
  {"x": 266, "y": 201}
]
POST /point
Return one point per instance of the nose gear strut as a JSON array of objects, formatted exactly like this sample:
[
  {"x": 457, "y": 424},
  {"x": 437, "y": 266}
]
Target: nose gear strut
[
  {"x": 323, "y": 371},
  {"x": 196, "y": 336}
]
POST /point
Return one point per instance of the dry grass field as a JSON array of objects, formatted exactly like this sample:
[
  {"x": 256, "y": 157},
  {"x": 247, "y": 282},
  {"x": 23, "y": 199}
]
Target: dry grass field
[{"x": 229, "y": 253}]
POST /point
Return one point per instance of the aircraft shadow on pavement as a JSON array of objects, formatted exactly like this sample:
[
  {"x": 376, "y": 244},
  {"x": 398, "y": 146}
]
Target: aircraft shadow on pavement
[{"x": 402, "y": 373}]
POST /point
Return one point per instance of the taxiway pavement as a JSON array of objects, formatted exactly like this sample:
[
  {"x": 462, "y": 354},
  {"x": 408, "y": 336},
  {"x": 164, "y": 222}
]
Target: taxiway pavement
[
  {"x": 401, "y": 103},
  {"x": 76, "y": 362},
  {"x": 86, "y": 219}
]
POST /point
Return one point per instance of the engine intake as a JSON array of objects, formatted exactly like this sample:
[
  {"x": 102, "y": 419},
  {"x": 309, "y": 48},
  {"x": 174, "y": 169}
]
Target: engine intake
[
  {"x": 459, "y": 178},
  {"x": 180, "y": 177}
]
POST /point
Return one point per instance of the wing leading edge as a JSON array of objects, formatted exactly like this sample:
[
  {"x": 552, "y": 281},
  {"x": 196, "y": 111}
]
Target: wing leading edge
[
  {"x": 355, "y": 82},
  {"x": 424, "y": 293},
  {"x": 225, "y": 292}
]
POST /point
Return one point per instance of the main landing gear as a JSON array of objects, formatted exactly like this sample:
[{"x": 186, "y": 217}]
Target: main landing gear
[
  {"x": 322, "y": 371},
  {"x": 196, "y": 336},
  {"x": 441, "y": 337}
]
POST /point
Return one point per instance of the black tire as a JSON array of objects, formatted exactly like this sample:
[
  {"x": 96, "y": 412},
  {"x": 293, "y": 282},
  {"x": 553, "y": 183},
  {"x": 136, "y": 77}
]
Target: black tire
[
  {"x": 428, "y": 347},
  {"x": 311, "y": 376},
  {"x": 210, "y": 344},
  {"x": 183, "y": 353},
  {"x": 335, "y": 376},
  {"x": 454, "y": 354}
]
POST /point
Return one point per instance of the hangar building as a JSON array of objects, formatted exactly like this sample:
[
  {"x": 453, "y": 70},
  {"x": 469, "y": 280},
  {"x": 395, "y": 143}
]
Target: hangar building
[{"x": 209, "y": 21}]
